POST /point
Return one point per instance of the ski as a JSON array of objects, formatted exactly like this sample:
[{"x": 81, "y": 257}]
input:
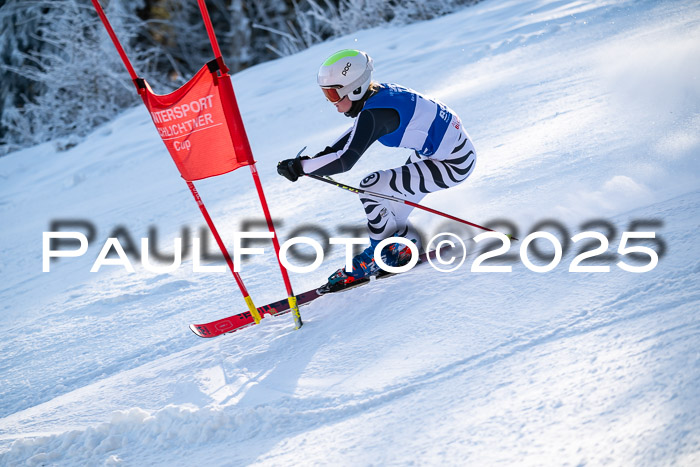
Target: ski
[{"x": 245, "y": 319}]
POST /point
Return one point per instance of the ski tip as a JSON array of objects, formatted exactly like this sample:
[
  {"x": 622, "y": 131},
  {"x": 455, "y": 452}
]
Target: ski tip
[{"x": 195, "y": 329}]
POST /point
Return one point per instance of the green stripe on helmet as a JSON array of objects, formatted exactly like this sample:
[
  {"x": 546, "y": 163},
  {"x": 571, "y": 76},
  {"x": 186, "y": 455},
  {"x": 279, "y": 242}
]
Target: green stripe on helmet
[{"x": 340, "y": 55}]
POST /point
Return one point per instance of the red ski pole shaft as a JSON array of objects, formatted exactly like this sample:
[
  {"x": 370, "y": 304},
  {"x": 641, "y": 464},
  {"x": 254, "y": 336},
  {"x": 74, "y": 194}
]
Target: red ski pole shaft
[{"x": 398, "y": 200}]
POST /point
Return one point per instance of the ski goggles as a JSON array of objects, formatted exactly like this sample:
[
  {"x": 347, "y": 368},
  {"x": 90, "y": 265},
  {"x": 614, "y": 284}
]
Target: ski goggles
[{"x": 331, "y": 93}]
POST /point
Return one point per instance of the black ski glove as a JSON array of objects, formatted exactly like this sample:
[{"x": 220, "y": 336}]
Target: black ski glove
[{"x": 291, "y": 168}]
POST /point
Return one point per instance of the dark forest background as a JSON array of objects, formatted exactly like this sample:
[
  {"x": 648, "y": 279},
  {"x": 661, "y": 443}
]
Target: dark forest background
[{"x": 60, "y": 75}]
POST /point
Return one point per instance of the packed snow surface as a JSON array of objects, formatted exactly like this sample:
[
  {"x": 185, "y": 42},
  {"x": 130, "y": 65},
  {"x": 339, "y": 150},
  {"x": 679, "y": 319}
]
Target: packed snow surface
[{"x": 582, "y": 112}]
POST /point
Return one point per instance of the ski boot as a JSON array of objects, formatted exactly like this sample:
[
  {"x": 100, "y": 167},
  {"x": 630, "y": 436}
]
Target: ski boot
[
  {"x": 395, "y": 255},
  {"x": 363, "y": 267}
]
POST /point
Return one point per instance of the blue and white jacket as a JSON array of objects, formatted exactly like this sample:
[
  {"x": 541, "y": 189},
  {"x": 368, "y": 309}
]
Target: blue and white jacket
[{"x": 396, "y": 117}]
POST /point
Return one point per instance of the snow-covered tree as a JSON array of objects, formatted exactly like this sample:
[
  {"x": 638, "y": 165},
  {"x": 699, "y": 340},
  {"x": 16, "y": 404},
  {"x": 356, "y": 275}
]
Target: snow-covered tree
[
  {"x": 60, "y": 75},
  {"x": 63, "y": 75}
]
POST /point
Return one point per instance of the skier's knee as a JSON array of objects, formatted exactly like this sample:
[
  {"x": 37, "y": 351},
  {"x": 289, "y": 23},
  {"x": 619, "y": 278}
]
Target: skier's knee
[{"x": 371, "y": 180}]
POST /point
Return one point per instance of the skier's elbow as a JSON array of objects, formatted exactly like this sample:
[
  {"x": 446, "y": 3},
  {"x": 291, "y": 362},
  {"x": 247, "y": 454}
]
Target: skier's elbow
[
  {"x": 349, "y": 161},
  {"x": 344, "y": 167}
]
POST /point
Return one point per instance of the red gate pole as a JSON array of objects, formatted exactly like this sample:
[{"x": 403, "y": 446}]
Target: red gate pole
[
  {"x": 249, "y": 301},
  {"x": 116, "y": 42},
  {"x": 242, "y": 146},
  {"x": 253, "y": 310}
]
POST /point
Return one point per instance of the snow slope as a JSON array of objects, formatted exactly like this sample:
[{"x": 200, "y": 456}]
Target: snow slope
[{"x": 580, "y": 110}]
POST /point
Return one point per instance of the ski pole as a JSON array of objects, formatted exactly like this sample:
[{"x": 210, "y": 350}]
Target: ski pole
[{"x": 398, "y": 200}]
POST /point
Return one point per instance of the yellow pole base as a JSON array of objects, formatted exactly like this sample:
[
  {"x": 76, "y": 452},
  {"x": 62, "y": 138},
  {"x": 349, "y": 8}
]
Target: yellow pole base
[
  {"x": 298, "y": 323},
  {"x": 253, "y": 311}
]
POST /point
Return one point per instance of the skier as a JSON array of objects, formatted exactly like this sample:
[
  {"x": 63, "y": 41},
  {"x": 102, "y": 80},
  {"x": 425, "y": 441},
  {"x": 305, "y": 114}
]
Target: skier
[{"x": 443, "y": 154}]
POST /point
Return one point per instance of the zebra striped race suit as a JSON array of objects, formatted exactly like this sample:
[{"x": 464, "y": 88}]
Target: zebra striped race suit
[{"x": 443, "y": 155}]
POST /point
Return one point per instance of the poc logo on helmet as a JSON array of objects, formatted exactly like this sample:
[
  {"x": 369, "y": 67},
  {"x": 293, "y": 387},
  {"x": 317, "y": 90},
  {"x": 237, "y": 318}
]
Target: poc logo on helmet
[{"x": 345, "y": 70}]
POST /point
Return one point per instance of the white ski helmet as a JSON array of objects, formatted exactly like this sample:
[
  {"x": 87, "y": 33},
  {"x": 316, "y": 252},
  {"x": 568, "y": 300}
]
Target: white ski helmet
[{"x": 346, "y": 73}]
